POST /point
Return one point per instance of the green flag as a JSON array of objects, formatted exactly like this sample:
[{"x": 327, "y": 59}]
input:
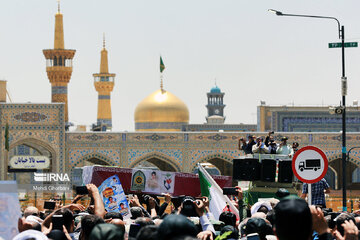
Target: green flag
[
  {"x": 7, "y": 137},
  {"x": 218, "y": 201},
  {"x": 162, "y": 66},
  {"x": 204, "y": 185}
]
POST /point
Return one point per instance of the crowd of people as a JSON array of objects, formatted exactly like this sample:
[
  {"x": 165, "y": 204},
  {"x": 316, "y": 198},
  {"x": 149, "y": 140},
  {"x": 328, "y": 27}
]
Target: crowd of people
[
  {"x": 268, "y": 146},
  {"x": 286, "y": 217}
]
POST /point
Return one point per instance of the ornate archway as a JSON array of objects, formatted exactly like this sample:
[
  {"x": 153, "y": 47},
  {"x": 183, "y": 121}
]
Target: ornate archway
[
  {"x": 220, "y": 161},
  {"x": 38, "y": 145},
  {"x": 30, "y": 147},
  {"x": 161, "y": 161},
  {"x": 335, "y": 162},
  {"x": 95, "y": 158}
]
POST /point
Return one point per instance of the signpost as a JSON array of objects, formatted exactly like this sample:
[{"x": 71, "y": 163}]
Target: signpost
[
  {"x": 339, "y": 44},
  {"x": 309, "y": 165},
  {"x": 29, "y": 162}
]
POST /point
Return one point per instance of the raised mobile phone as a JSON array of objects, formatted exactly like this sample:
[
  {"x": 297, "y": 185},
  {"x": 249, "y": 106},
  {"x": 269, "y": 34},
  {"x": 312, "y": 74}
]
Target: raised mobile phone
[
  {"x": 229, "y": 191},
  {"x": 58, "y": 222},
  {"x": 134, "y": 229},
  {"x": 81, "y": 190},
  {"x": 49, "y": 205}
]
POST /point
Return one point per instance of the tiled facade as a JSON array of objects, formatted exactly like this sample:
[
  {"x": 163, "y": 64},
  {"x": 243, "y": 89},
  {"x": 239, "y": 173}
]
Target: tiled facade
[
  {"x": 38, "y": 124},
  {"x": 305, "y": 119},
  {"x": 43, "y": 124}
]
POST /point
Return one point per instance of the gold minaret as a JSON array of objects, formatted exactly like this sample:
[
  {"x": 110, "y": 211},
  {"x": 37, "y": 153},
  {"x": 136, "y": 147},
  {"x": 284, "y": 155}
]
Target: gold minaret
[
  {"x": 59, "y": 65},
  {"x": 104, "y": 84}
]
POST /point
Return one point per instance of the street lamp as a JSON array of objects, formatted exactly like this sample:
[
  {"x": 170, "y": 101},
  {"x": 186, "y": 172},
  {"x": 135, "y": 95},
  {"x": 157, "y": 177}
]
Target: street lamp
[{"x": 343, "y": 91}]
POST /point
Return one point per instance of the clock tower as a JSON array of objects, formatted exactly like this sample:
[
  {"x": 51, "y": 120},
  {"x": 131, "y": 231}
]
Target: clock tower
[{"x": 215, "y": 106}]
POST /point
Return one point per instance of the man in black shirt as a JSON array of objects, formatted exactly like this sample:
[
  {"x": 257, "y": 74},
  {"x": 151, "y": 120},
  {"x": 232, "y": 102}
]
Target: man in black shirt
[{"x": 247, "y": 146}]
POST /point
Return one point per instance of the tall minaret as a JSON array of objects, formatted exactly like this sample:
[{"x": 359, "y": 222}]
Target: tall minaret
[
  {"x": 59, "y": 65},
  {"x": 104, "y": 84}
]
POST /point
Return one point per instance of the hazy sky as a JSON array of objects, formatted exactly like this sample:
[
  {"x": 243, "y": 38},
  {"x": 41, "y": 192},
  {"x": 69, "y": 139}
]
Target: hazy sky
[{"x": 253, "y": 54}]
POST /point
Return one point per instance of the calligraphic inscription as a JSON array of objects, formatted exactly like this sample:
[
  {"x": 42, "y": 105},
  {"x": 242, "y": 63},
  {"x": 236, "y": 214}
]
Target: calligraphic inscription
[
  {"x": 30, "y": 117},
  {"x": 29, "y": 162}
]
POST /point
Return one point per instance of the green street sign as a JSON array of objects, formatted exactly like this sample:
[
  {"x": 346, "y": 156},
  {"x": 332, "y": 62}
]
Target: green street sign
[{"x": 339, "y": 45}]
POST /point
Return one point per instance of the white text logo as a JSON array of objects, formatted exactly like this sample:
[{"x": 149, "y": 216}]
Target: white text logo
[{"x": 51, "y": 177}]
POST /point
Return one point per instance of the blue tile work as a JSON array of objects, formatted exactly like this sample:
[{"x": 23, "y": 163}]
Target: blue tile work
[
  {"x": 304, "y": 121},
  {"x": 78, "y": 155},
  {"x": 58, "y": 90},
  {"x": 135, "y": 154},
  {"x": 35, "y": 123},
  {"x": 104, "y": 97},
  {"x": 204, "y": 155},
  {"x": 45, "y": 123},
  {"x": 186, "y": 149},
  {"x": 159, "y": 125}
]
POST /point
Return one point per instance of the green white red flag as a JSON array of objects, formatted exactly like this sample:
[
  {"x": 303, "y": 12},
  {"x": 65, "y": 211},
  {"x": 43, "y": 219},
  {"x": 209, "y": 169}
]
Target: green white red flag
[{"x": 218, "y": 202}]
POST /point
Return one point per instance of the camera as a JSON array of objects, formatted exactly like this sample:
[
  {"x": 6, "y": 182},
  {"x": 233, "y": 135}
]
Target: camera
[
  {"x": 146, "y": 199},
  {"x": 156, "y": 200},
  {"x": 188, "y": 208},
  {"x": 331, "y": 221}
]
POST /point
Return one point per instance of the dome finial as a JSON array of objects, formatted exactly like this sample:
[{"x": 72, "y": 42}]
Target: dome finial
[
  {"x": 103, "y": 40},
  {"x": 59, "y": 30},
  {"x": 58, "y": 1},
  {"x": 104, "y": 66}
]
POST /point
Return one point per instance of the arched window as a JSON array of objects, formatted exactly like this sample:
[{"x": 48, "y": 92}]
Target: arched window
[
  {"x": 356, "y": 175},
  {"x": 331, "y": 178}
]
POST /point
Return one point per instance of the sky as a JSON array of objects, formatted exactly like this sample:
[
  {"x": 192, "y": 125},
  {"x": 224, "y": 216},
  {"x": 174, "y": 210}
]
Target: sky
[{"x": 253, "y": 54}]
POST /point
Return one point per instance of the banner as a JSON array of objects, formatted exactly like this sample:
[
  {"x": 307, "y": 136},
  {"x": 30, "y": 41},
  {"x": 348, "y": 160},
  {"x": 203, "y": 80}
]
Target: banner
[
  {"x": 152, "y": 181},
  {"x": 114, "y": 197},
  {"x": 183, "y": 183},
  {"x": 9, "y": 209}
]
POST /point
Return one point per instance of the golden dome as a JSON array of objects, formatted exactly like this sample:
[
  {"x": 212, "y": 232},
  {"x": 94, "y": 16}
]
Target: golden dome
[{"x": 161, "y": 111}]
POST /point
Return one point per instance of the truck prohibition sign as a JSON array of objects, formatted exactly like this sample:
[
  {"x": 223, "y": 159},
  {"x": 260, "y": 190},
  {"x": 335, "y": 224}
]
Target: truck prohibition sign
[{"x": 310, "y": 164}]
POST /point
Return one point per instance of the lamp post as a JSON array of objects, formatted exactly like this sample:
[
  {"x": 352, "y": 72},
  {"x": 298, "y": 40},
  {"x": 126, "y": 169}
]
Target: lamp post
[
  {"x": 343, "y": 92},
  {"x": 348, "y": 153}
]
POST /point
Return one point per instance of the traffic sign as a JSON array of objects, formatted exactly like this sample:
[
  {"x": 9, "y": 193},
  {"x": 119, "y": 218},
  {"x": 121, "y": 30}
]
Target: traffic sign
[
  {"x": 339, "y": 44},
  {"x": 309, "y": 164}
]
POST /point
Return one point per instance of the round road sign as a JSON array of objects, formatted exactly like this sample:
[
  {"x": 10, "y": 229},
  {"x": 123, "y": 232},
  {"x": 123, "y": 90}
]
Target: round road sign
[{"x": 309, "y": 164}]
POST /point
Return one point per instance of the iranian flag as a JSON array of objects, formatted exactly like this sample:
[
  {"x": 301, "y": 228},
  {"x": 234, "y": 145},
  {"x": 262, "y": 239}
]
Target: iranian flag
[{"x": 218, "y": 202}]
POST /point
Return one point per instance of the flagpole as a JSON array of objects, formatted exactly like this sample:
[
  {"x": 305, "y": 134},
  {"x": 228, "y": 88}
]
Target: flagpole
[
  {"x": 162, "y": 68},
  {"x": 161, "y": 82}
]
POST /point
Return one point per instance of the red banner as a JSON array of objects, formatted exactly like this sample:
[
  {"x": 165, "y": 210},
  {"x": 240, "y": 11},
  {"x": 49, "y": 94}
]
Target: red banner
[{"x": 185, "y": 183}]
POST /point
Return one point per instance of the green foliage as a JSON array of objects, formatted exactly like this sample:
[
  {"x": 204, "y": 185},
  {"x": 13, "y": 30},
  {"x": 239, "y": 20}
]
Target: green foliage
[
  {"x": 224, "y": 236},
  {"x": 247, "y": 196}
]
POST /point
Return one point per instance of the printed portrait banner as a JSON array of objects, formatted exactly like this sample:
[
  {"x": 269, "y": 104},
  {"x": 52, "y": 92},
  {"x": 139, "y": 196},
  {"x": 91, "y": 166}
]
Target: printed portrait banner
[
  {"x": 152, "y": 181},
  {"x": 9, "y": 209},
  {"x": 181, "y": 183},
  {"x": 114, "y": 197}
]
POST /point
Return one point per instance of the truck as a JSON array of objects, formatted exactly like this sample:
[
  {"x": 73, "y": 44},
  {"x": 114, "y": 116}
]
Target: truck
[{"x": 310, "y": 164}]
